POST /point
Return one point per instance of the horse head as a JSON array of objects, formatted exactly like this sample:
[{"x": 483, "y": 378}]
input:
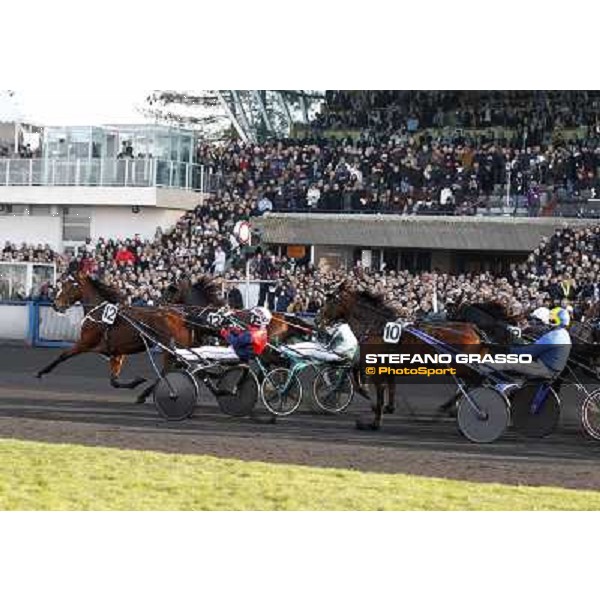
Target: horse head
[
  {"x": 71, "y": 290},
  {"x": 337, "y": 305}
]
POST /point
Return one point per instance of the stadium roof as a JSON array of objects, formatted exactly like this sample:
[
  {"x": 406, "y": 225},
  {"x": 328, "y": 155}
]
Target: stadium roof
[{"x": 395, "y": 231}]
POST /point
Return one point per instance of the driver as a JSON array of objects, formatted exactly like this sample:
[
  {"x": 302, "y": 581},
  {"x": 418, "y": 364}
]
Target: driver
[
  {"x": 550, "y": 351},
  {"x": 252, "y": 340},
  {"x": 340, "y": 345},
  {"x": 245, "y": 342}
]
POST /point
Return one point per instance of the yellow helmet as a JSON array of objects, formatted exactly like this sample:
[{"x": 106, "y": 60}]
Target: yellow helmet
[{"x": 560, "y": 317}]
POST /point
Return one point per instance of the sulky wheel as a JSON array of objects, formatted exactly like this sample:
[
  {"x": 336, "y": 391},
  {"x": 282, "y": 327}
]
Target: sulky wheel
[
  {"x": 281, "y": 392},
  {"x": 590, "y": 414},
  {"x": 535, "y": 410},
  {"x": 488, "y": 421},
  {"x": 176, "y": 395},
  {"x": 333, "y": 389},
  {"x": 237, "y": 391}
]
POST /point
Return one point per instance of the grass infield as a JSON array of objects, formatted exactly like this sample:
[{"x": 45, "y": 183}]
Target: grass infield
[{"x": 36, "y": 476}]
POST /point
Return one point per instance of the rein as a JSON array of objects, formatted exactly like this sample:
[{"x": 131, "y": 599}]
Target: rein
[{"x": 293, "y": 325}]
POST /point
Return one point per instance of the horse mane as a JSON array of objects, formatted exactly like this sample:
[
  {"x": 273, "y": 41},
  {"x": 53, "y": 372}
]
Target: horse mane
[
  {"x": 377, "y": 300},
  {"x": 209, "y": 288},
  {"x": 493, "y": 308},
  {"x": 205, "y": 292},
  {"x": 105, "y": 291}
]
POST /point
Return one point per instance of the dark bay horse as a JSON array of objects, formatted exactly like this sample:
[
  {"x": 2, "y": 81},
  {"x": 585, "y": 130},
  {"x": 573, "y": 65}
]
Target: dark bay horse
[
  {"x": 121, "y": 338},
  {"x": 367, "y": 315},
  {"x": 194, "y": 299},
  {"x": 493, "y": 318}
]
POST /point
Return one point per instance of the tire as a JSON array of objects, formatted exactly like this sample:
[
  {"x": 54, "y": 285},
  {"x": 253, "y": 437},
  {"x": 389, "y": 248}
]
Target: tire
[
  {"x": 488, "y": 428},
  {"x": 242, "y": 402},
  {"x": 333, "y": 389},
  {"x": 590, "y": 414},
  {"x": 281, "y": 392},
  {"x": 541, "y": 423},
  {"x": 180, "y": 406}
]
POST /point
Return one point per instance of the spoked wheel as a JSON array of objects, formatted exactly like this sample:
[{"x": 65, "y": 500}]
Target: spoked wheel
[
  {"x": 237, "y": 391},
  {"x": 590, "y": 414},
  {"x": 333, "y": 389},
  {"x": 488, "y": 421},
  {"x": 535, "y": 410},
  {"x": 176, "y": 395},
  {"x": 281, "y": 392}
]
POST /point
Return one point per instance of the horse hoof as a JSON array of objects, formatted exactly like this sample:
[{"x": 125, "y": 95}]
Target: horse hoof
[
  {"x": 38, "y": 375},
  {"x": 140, "y": 400},
  {"x": 389, "y": 410}
]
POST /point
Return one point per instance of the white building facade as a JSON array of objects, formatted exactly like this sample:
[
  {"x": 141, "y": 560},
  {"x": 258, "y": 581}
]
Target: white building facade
[{"x": 111, "y": 182}]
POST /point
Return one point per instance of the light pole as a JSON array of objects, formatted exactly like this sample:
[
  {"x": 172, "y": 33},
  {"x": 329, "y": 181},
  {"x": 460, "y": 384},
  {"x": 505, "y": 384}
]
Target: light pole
[{"x": 508, "y": 178}]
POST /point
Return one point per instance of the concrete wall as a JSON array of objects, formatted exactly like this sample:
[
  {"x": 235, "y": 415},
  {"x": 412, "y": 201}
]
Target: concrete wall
[
  {"x": 14, "y": 321},
  {"x": 121, "y": 222},
  {"x": 32, "y": 230},
  {"x": 99, "y": 196},
  {"x": 106, "y": 221}
]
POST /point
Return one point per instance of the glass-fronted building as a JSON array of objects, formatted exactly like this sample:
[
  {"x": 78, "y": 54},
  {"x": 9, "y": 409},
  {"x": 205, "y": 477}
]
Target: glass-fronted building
[{"x": 119, "y": 141}]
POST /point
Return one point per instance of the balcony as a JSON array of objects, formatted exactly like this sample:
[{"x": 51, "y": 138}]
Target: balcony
[{"x": 100, "y": 172}]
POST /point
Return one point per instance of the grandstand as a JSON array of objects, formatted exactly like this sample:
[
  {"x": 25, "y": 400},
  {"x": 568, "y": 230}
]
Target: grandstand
[{"x": 385, "y": 184}]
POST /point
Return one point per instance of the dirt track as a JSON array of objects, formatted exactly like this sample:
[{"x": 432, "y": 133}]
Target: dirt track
[{"x": 76, "y": 404}]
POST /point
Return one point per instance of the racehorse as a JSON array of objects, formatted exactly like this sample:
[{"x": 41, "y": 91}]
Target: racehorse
[
  {"x": 491, "y": 317},
  {"x": 120, "y": 338},
  {"x": 367, "y": 315},
  {"x": 198, "y": 299}
]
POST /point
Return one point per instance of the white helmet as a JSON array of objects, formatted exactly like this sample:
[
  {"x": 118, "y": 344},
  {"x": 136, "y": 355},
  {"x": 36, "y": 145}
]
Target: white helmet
[
  {"x": 542, "y": 314},
  {"x": 260, "y": 316}
]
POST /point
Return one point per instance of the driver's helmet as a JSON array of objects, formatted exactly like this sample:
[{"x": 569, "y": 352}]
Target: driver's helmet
[
  {"x": 560, "y": 317},
  {"x": 542, "y": 314},
  {"x": 260, "y": 316}
]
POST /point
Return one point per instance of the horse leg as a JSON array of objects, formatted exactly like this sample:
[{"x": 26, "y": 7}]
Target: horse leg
[
  {"x": 358, "y": 384},
  {"x": 390, "y": 405},
  {"x": 116, "y": 364},
  {"x": 449, "y": 407},
  {"x": 375, "y": 424},
  {"x": 143, "y": 396},
  {"x": 74, "y": 351}
]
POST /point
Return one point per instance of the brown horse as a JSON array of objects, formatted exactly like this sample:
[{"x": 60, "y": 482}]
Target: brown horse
[
  {"x": 197, "y": 299},
  {"x": 120, "y": 338},
  {"x": 493, "y": 318},
  {"x": 367, "y": 315}
]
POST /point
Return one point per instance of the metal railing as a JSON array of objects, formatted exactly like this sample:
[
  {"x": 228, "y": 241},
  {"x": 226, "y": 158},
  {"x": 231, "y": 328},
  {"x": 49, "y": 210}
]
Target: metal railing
[{"x": 139, "y": 172}]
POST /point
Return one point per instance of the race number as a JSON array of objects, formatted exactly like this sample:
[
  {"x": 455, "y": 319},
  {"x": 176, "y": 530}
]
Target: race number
[
  {"x": 392, "y": 333},
  {"x": 515, "y": 332},
  {"x": 214, "y": 319},
  {"x": 109, "y": 314}
]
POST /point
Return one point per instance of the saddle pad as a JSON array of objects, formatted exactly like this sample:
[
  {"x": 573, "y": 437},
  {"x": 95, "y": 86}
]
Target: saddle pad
[
  {"x": 315, "y": 351},
  {"x": 216, "y": 353}
]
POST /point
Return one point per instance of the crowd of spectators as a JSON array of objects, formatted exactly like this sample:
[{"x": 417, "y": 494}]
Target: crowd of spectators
[
  {"x": 39, "y": 253},
  {"x": 404, "y": 168},
  {"x": 564, "y": 268},
  {"x": 533, "y": 116},
  {"x": 402, "y": 174}
]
